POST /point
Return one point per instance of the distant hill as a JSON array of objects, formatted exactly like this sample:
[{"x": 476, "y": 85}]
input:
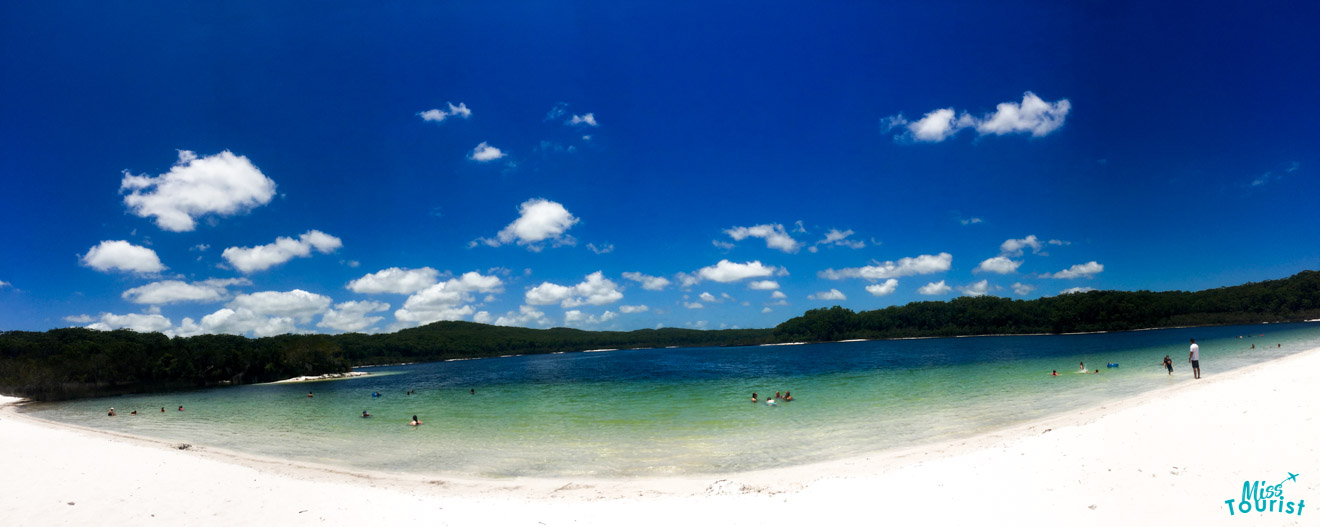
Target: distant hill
[{"x": 78, "y": 362}]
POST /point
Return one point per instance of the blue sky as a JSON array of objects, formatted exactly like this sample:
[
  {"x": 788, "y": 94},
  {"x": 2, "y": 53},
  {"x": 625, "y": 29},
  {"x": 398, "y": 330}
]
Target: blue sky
[{"x": 261, "y": 168}]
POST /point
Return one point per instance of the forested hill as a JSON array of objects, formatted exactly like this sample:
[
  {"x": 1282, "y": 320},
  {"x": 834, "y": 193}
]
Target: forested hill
[
  {"x": 1290, "y": 299},
  {"x": 78, "y": 362}
]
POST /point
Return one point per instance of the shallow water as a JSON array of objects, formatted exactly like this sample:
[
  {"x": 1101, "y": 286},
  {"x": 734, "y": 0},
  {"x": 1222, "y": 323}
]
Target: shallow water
[{"x": 680, "y": 411}]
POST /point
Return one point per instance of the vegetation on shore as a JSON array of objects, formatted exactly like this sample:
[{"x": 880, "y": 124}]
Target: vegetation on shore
[{"x": 78, "y": 362}]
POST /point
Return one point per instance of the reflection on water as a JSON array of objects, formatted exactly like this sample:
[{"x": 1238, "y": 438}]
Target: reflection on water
[{"x": 679, "y": 411}]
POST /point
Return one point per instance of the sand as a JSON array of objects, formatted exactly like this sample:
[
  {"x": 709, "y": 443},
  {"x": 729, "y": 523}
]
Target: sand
[{"x": 1172, "y": 456}]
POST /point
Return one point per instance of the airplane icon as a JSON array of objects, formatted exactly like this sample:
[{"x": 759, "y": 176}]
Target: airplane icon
[{"x": 1291, "y": 477}]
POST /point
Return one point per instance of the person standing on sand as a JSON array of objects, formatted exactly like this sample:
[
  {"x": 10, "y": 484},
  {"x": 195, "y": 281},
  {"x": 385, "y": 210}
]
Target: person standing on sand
[
  {"x": 1168, "y": 363},
  {"x": 1194, "y": 357}
]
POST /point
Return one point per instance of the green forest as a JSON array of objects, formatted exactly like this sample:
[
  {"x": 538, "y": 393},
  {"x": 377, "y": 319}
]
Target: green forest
[{"x": 78, "y": 362}]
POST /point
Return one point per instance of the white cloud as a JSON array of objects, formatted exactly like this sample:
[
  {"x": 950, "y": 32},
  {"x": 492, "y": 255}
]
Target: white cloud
[
  {"x": 603, "y": 249},
  {"x": 935, "y": 288},
  {"x": 80, "y": 319},
  {"x": 693, "y": 305},
  {"x": 707, "y": 297},
  {"x": 4, "y": 284},
  {"x": 575, "y": 317},
  {"x": 223, "y": 184},
  {"x": 557, "y": 111},
  {"x": 142, "y": 323},
  {"x": 1073, "y": 290},
  {"x": 595, "y": 290},
  {"x": 172, "y": 291},
  {"x": 998, "y": 264},
  {"x": 1013, "y": 247},
  {"x": 261, "y": 257},
  {"x": 1085, "y": 270},
  {"x": 633, "y": 309},
  {"x": 886, "y": 288},
  {"x": 971, "y": 221},
  {"x": 726, "y": 271},
  {"x": 924, "y": 264},
  {"x": 649, "y": 283},
  {"x": 588, "y": 120},
  {"x": 120, "y": 255},
  {"x": 836, "y": 237},
  {"x": 832, "y": 294},
  {"x": 395, "y": 280},
  {"x": 1021, "y": 289},
  {"x": 448, "y": 300},
  {"x": 538, "y": 220},
  {"x": 296, "y": 305},
  {"x": 525, "y": 316},
  {"x": 238, "y": 322},
  {"x": 763, "y": 285},
  {"x": 981, "y": 288},
  {"x": 774, "y": 235},
  {"x": 1033, "y": 115},
  {"x": 352, "y": 316},
  {"x": 778, "y": 295},
  {"x": 485, "y": 153},
  {"x": 437, "y": 115}
]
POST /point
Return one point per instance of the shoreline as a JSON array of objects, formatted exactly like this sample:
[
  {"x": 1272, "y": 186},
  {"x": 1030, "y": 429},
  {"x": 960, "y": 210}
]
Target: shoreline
[{"x": 1158, "y": 434}]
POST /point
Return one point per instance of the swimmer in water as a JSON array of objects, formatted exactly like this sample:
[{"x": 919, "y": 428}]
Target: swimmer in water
[
  {"x": 415, "y": 421},
  {"x": 788, "y": 396},
  {"x": 1081, "y": 367},
  {"x": 365, "y": 414},
  {"x": 1054, "y": 373},
  {"x": 753, "y": 397},
  {"x": 112, "y": 412}
]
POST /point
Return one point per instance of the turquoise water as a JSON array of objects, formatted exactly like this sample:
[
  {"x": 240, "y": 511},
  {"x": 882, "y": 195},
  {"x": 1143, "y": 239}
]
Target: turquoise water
[{"x": 680, "y": 411}]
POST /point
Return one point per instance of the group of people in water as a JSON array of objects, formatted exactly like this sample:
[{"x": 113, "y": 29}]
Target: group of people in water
[
  {"x": 112, "y": 412},
  {"x": 788, "y": 396},
  {"x": 1193, "y": 356}
]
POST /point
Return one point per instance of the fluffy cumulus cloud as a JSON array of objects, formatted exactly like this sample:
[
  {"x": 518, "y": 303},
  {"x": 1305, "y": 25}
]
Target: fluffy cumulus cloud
[
  {"x": 981, "y": 288},
  {"x": 436, "y": 115},
  {"x": 352, "y": 316},
  {"x": 888, "y": 287},
  {"x": 649, "y": 283},
  {"x": 774, "y": 235},
  {"x": 1074, "y": 290},
  {"x": 539, "y": 220},
  {"x": 998, "y": 264},
  {"x": 633, "y": 309},
  {"x": 1085, "y": 270},
  {"x": 448, "y": 300},
  {"x": 595, "y": 290},
  {"x": 119, "y": 255},
  {"x": 261, "y": 257},
  {"x": 935, "y": 288},
  {"x": 175, "y": 291},
  {"x": 139, "y": 322},
  {"x": 524, "y": 317},
  {"x": 726, "y": 271},
  {"x": 575, "y": 317},
  {"x": 1033, "y": 116},
  {"x": 395, "y": 280},
  {"x": 924, "y": 264},
  {"x": 1021, "y": 289},
  {"x": 223, "y": 184},
  {"x": 297, "y": 304},
  {"x": 261, "y": 314},
  {"x": 763, "y": 285},
  {"x": 778, "y": 295},
  {"x": 485, "y": 153},
  {"x": 832, "y": 294}
]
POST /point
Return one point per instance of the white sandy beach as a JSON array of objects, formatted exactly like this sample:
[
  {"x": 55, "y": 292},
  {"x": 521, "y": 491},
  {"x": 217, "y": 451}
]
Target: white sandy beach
[{"x": 1168, "y": 457}]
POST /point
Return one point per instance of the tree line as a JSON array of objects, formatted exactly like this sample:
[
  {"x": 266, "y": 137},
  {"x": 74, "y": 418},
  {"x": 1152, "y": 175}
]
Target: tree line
[{"x": 78, "y": 362}]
